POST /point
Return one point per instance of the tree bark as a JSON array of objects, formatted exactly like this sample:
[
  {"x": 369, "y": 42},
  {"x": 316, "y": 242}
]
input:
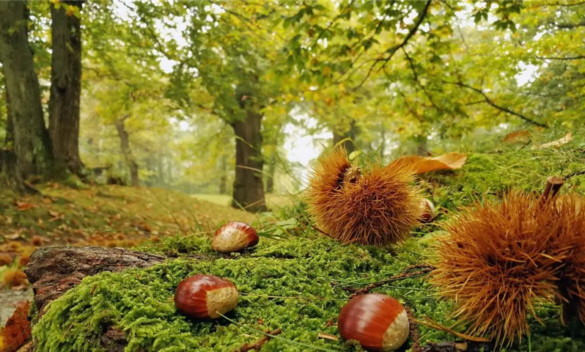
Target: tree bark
[
  {"x": 32, "y": 144},
  {"x": 9, "y": 136},
  {"x": 65, "y": 86},
  {"x": 248, "y": 186},
  {"x": 127, "y": 151},
  {"x": 351, "y": 134}
]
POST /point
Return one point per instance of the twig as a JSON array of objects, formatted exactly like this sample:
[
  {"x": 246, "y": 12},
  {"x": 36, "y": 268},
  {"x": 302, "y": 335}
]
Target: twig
[
  {"x": 394, "y": 49},
  {"x": 493, "y": 104},
  {"x": 552, "y": 187},
  {"x": 414, "y": 333},
  {"x": 306, "y": 345},
  {"x": 407, "y": 273},
  {"x": 258, "y": 345}
]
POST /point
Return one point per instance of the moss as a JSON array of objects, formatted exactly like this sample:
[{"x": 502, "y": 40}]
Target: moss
[
  {"x": 489, "y": 175},
  {"x": 295, "y": 285}
]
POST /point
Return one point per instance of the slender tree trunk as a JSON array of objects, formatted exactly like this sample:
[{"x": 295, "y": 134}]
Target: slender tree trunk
[
  {"x": 223, "y": 165},
  {"x": 127, "y": 151},
  {"x": 351, "y": 134},
  {"x": 160, "y": 168},
  {"x": 32, "y": 144},
  {"x": 383, "y": 142},
  {"x": 65, "y": 86},
  {"x": 169, "y": 169},
  {"x": 422, "y": 147},
  {"x": 248, "y": 186},
  {"x": 271, "y": 173}
]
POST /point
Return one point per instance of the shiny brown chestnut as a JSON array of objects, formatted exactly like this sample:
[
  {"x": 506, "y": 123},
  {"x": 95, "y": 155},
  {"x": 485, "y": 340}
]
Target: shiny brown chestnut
[
  {"x": 234, "y": 236},
  {"x": 378, "y": 322},
  {"x": 205, "y": 296},
  {"x": 429, "y": 212}
]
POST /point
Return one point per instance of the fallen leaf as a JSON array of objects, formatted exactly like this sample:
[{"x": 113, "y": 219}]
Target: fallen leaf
[
  {"x": 17, "y": 330},
  {"x": 47, "y": 200},
  {"x": 518, "y": 136},
  {"x": 13, "y": 236},
  {"x": 22, "y": 206},
  {"x": 420, "y": 165},
  {"x": 556, "y": 144}
]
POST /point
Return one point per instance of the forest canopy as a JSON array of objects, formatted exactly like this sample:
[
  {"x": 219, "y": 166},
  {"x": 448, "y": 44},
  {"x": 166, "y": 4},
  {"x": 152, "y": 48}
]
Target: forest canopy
[{"x": 237, "y": 97}]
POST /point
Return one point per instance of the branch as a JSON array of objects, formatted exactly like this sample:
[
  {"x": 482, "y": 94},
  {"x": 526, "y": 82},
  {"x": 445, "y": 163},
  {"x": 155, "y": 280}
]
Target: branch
[
  {"x": 393, "y": 50},
  {"x": 413, "y": 69},
  {"x": 567, "y": 58},
  {"x": 560, "y": 4},
  {"x": 325, "y": 30},
  {"x": 501, "y": 108},
  {"x": 570, "y": 25}
]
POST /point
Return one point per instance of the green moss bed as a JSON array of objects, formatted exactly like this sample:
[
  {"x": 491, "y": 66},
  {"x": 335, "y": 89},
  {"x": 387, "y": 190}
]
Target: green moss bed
[{"x": 297, "y": 283}]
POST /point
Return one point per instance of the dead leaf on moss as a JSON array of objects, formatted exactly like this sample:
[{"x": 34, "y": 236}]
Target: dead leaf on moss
[
  {"x": 516, "y": 137},
  {"x": 17, "y": 330},
  {"x": 420, "y": 165},
  {"x": 556, "y": 144},
  {"x": 22, "y": 206}
]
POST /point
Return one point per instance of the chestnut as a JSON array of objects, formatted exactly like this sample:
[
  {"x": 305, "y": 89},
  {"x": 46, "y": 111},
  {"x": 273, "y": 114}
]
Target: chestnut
[
  {"x": 378, "y": 322},
  {"x": 204, "y": 296},
  {"x": 429, "y": 212},
  {"x": 234, "y": 236}
]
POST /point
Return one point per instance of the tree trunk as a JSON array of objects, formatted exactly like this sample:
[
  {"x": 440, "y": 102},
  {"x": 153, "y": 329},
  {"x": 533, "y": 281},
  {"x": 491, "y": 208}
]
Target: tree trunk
[
  {"x": 127, "y": 151},
  {"x": 32, "y": 144},
  {"x": 422, "y": 147},
  {"x": 271, "y": 173},
  {"x": 223, "y": 164},
  {"x": 351, "y": 134},
  {"x": 65, "y": 86},
  {"x": 9, "y": 136},
  {"x": 248, "y": 186},
  {"x": 160, "y": 168}
]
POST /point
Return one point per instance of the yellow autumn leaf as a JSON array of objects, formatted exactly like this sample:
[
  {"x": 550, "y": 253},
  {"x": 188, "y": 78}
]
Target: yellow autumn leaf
[
  {"x": 420, "y": 165},
  {"x": 556, "y": 144}
]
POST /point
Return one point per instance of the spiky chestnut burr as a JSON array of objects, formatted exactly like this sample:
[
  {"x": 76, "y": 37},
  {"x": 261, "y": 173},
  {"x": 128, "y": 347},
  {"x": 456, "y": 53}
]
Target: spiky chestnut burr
[
  {"x": 234, "y": 236},
  {"x": 376, "y": 207},
  {"x": 377, "y": 321},
  {"x": 570, "y": 233},
  {"x": 205, "y": 296},
  {"x": 495, "y": 260}
]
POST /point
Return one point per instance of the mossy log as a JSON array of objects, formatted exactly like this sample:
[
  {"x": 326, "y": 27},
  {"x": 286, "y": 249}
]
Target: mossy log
[{"x": 54, "y": 270}]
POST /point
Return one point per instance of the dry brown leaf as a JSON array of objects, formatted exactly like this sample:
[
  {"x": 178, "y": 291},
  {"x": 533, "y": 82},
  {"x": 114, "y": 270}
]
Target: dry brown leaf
[
  {"x": 556, "y": 144},
  {"x": 13, "y": 236},
  {"x": 420, "y": 165},
  {"x": 17, "y": 330},
  {"x": 518, "y": 136},
  {"x": 22, "y": 206}
]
